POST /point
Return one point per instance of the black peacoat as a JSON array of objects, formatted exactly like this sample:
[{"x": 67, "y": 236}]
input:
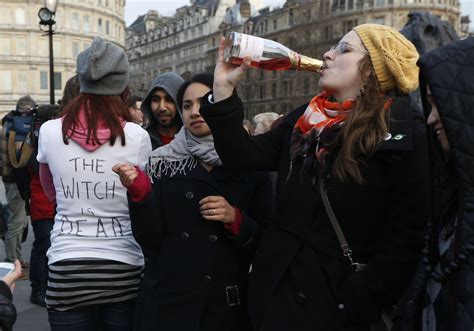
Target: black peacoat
[
  {"x": 300, "y": 279},
  {"x": 197, "y": 275}
]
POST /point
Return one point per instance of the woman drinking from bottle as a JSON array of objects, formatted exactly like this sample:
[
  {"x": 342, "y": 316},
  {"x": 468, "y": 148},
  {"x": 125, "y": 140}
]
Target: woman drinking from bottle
[{"x": 352, "y": 190}]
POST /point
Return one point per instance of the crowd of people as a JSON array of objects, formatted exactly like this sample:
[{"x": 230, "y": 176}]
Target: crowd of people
[{"x": 174, "y": 212}]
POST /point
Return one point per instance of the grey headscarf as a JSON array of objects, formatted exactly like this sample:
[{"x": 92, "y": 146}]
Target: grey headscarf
[{"x": 182, "y": 154}]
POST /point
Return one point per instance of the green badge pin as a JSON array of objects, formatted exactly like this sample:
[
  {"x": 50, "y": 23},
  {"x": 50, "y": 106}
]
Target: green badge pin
[{"x": 398, "y": 137}]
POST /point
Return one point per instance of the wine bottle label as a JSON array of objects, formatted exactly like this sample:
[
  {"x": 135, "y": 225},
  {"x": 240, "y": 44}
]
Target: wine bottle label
[{"x": 252, "y": 47}]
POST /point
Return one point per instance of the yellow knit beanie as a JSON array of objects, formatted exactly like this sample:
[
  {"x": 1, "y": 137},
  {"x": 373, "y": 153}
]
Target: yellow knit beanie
[{"x": 392, "y": 55}]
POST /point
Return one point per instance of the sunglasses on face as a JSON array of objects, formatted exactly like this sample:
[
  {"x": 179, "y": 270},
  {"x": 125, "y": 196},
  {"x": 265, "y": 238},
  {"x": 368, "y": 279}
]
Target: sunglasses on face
[{"x": 345, "y": 47}]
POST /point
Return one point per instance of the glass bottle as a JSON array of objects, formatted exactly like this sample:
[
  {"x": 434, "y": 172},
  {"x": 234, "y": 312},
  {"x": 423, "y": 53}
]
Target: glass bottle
[{"x": 266, "y": 54}]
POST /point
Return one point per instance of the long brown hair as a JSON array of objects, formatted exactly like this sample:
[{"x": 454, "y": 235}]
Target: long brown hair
[
  {"x": 71, "y": 90},
  {"x": 111, "y": 109},
  {"x": 364, "y": 129}
]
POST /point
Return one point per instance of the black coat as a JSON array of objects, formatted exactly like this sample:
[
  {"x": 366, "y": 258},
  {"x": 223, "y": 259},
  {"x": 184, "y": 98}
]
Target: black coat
[
  {"x": 449, "y": 72},
  {"x": 7, "y": 309},
  {"x": 300, "y": 279},
  {"x": 197, "y": 278}
]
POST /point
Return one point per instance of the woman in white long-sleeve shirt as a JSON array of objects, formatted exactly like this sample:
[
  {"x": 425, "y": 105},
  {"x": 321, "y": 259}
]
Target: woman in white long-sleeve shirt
[{"x": 95, "y": 263}]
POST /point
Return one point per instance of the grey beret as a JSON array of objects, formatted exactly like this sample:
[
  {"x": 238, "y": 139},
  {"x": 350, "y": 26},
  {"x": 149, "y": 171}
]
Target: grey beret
[{"x": 103, "y": 68}]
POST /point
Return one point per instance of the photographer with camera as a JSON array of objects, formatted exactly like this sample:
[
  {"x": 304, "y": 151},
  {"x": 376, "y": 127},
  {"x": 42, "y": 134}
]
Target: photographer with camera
[
  {"x": 17, "y": 220},
  {"x": 42, "y": 212}
]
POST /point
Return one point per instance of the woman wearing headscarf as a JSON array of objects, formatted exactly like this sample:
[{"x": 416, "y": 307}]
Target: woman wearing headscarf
[
  {"x": 202, "y": 222},
  {"x": 95, "y": 264},
  {"x": 352, "y": 190}
]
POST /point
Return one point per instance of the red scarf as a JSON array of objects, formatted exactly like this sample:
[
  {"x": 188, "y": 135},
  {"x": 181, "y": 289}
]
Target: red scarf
[{"x": 320, "y": 116}]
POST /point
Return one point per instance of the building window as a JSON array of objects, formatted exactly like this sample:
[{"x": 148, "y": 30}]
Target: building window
[
  {"x": 85, "y": 24},
  {"x": 107, "y": 27},
  {"x": 20, "y": 16},
  {"x": 285, "y": 89},
  {"x": 349, "y": 25},
  {"x": 262, "y": 91},
  {"x": 20, "y": 46},
  {"x": 380, "y": 3},
  {"x": 75, "y": 48},
  {"x": 57, "y": 81},
  {"x": 275, "y": 25},
  {"x": 290, "y": 89},
  {"x": 43, "y": 80},
  {"x": 75, "y": 22},
  {"x": 274, "y": 90},
  {"x": 5, "y": 15},
  {"x": 5, "y": 80},
  {"x": 328, "y": 32},
  {"x": 22, "y": 84},
  {"x": 380, "y": 20},
  {"x": 306, "y": 86},
  {"x": 58, "y": 49},
  {"x": 5, "y": 46},
  {"x": 291, "y": 17},
  {"x": 43, "y": 49},
  {"x": 99, "y": 25}
]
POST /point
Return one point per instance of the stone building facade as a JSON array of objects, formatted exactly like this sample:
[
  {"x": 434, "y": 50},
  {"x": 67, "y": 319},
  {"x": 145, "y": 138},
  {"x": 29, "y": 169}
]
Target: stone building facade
[
  {"x": 157, "y": 44},
  {"x": 24, "y": 49},
  {"x": 306, "y": 26}
]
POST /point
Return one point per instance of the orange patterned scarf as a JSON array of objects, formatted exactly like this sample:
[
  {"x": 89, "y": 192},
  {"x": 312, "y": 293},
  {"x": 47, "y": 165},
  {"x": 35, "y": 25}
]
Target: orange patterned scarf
[{"x": 321, "y": 119}]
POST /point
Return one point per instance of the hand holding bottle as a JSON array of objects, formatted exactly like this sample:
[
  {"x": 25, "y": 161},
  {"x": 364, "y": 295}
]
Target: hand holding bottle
[{"x": 226, "y": 75}]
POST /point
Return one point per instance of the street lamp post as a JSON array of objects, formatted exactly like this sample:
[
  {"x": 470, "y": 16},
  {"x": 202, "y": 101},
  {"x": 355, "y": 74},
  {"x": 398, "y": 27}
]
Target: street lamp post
[{"x": 46, "y": 16}]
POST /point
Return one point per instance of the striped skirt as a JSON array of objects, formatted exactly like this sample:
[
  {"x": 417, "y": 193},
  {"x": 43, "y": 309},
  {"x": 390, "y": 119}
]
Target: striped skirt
[{"x": 78, "y": 282}]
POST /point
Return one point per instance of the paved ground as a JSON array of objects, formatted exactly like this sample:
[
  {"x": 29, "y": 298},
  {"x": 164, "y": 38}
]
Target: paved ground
[{"x": 30, "y": 317}]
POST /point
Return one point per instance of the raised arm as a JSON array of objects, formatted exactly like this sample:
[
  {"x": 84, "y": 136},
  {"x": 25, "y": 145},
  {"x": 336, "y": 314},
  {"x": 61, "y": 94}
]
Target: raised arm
[{"x": 223, "y": 111}]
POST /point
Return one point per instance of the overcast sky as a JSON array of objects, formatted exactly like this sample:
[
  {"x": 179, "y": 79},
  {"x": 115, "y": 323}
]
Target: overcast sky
[{"x": 135, "y": 8}]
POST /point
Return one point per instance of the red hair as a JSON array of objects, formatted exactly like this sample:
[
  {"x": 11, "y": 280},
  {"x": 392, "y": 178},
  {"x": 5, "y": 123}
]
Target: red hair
[{"x": 110, "y": 109}]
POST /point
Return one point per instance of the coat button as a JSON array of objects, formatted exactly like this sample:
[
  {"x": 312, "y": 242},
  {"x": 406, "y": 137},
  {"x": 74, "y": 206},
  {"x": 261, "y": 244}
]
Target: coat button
[
  {"x": 184, "y": 235},
  {"x": 301, "y": 298},
  {"x": 340, "y": 306},
  {"x": 207, "y": 279},
  {"x": 213, "y": 238},
  {"x": 189, "y": 195}
]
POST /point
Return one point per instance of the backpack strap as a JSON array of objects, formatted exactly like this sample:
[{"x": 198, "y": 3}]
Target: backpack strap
[
  {"x": 25, "y": 152},
  {"x": 4, "y": 148}
]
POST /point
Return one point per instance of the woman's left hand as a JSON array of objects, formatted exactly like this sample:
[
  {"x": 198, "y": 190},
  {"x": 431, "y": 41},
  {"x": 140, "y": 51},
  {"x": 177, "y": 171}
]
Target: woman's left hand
[{"x": 216, "y": 208}]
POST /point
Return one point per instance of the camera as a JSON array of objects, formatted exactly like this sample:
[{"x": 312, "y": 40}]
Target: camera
[{"x": 26, "y": 123}]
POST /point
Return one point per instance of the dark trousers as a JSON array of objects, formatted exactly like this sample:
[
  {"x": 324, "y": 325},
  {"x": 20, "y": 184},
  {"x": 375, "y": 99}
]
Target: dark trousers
[
  {"x": 38, "y": 259},
  {"x": 105, "y": 317}
]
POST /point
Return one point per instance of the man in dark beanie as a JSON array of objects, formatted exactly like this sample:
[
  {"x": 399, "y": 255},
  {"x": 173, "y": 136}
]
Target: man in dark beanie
[
  {"x": 161, "y": 110},
  {"x": 17, "y": 220}
]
